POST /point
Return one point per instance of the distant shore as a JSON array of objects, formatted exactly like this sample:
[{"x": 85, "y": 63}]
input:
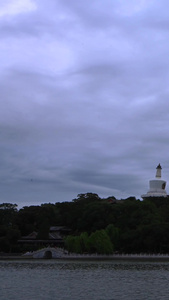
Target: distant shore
[{"x": 142, "y": 257}]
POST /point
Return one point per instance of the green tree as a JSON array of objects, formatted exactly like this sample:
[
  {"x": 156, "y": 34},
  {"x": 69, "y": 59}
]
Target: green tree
[
  {"x": 84, "y": 242},
  {"x": 73, "y": 244},
  {"x": 114, "y": 235},
  {"x": 100, "y": 242},
  {"x": 88, "y": 197},
  {"x": 8, "y": 213},
  {"x": 69, "y": 243}
]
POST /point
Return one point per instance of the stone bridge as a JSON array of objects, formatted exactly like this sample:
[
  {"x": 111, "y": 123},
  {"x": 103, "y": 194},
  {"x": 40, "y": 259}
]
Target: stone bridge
[{"x": 47, "y": 253}]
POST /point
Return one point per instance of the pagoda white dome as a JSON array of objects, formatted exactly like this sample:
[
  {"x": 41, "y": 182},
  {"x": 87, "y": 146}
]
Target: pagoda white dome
[{"x": 156, "y": 186}]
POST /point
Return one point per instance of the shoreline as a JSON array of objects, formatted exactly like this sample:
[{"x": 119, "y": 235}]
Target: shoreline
[{"x": 142, "y": 257}]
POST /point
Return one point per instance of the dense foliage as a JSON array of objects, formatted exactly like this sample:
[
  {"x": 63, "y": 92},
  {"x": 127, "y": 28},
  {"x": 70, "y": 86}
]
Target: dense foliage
[{"x": 97, "y": 225}]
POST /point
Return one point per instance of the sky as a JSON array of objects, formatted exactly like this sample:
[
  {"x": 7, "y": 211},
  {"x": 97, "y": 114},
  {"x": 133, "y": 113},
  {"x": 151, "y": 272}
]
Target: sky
[{"x": 84, "y": 103}]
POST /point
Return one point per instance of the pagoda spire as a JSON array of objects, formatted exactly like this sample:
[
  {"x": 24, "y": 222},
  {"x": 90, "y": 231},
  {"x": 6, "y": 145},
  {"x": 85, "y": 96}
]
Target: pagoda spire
[{"x": 158, "y": 172}]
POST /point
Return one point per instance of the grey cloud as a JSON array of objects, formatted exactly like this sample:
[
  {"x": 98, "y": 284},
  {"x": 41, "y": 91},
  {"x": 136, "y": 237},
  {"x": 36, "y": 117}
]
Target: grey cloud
[{"x": 84, "y": 100}]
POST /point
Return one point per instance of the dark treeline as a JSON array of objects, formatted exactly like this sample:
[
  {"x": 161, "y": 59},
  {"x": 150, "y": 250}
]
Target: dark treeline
[{"x": 97, "y": 225}]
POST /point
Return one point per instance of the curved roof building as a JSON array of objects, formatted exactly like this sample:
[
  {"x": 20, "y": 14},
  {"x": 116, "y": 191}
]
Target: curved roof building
[{"x": 156, "y": 186}]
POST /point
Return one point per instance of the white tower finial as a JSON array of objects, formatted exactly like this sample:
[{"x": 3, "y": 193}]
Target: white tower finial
[{"x": 158, "y": 172}]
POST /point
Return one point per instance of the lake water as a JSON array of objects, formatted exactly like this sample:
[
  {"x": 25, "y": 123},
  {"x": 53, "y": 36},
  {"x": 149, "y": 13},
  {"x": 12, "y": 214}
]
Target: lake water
[{"x": 83, "y": 280}]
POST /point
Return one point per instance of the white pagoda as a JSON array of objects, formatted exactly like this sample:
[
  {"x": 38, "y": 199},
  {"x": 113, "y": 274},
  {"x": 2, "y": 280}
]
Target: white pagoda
[{"x": 156, "y": 186}]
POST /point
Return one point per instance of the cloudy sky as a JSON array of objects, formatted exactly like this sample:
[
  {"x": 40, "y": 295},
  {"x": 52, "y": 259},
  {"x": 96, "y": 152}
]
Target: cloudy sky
[{"x": 84, "y": 98}]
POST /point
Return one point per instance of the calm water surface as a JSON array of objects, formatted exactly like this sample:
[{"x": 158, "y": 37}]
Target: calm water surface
[{"x": 83, "y": 280}]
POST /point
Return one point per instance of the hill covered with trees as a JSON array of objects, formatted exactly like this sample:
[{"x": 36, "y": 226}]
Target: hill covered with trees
[{"x": 95, "y": 225}]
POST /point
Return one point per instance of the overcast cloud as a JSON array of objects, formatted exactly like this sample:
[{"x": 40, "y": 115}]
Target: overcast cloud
[{"x": 84, "y": 98}]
